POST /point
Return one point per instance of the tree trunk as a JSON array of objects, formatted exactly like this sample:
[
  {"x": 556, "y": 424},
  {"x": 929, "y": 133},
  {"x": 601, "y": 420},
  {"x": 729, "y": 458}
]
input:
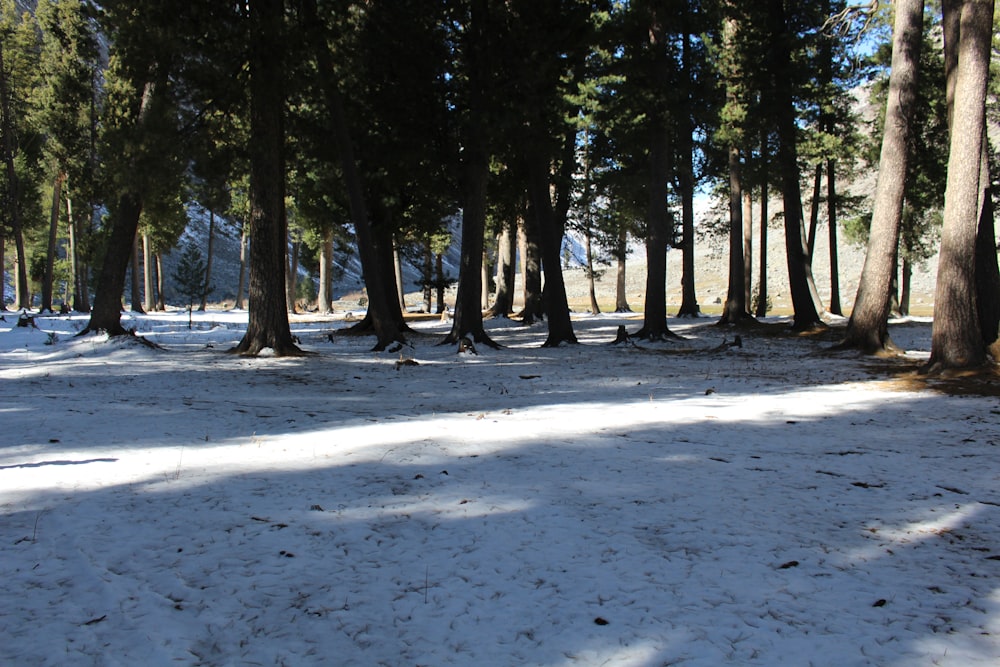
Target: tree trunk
[
  {"x": 241, "y": 283},
  {"x": 149, "y": 274},
  {"x": 484, "y": 294},
  {"x": 762, "y": 295},
  {"x": 267, "y": 325},
  {"x": 957, "y": 339},
  {"x": 3, "y": 275},
  {"x": 439, "y": 272},
  {"x": 468, "y": 320},
  {"x": 208, "y": 261},
  {"x": 292, "y": 278},
  {"x": 814, "y": 210},
  {"x": 654, "y": 325},
  {"x": 136, "y": 277},
  {"x": 161, "y": 304},
  {"x": 383, "y": 314},
  {"x": 324, "y": 300},
  {"x": 397, "y": 265},
  {"x": 503, "y": 304},
  {"x": 689, "y": 297},
  {"x": 987, "y": 269},
  {"x": 747, "y": 248},
  {"x": 50, "y": 253},
  {"x": 621, "y": 253},
  {"x": 736, "y": 309},
  {"x": 867, "y": 329},
  {"x": 531, "y": 259},
  {"x": 551, "y": 234},
  {"x": 595, "y": 308},
  {"x": 21, "y": 298},
  {"x": 805, "y": 301},
  {"x": 831, "y": 208},
  {"x": 905, "y": 284}
]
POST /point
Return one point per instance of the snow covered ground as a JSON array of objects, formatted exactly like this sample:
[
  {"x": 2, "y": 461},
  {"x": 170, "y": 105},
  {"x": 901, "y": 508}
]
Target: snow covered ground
[{"x": 683, "y": 504}]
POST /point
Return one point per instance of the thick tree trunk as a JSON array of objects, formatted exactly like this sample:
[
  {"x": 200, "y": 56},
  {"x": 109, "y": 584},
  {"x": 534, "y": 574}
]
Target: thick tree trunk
[
  {"x": 21, "y": 299},
  {"x": 805, "y": 300},
  {"x": 503, "y": 304},
  {"x": 957, "y": 339},
  {"x": 551, "y": 234},
  {"x": 867, "y": 329},
  {"x": 106, "y": 314},
  {"x": 468, "y": 320},
  {"x": 987, "y": 269},
  {"x": 267, "y": 326},
  {"x": 621, "y": 253},
  {"x": 50, "y": 252},
  {"x": 735, "y": 310},
  {"x": 654, "y": 324},
  {"x": 383, "y": 314},
  {"x": 531, "y": 259}
]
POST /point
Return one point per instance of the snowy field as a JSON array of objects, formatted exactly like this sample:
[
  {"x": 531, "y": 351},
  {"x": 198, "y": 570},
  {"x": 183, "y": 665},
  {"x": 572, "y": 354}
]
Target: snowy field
[{"x": 682, "y": 504}]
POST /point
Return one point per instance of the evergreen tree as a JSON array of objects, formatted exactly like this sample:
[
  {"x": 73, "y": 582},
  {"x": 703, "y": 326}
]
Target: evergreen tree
[{"x": 189, "y": 276}]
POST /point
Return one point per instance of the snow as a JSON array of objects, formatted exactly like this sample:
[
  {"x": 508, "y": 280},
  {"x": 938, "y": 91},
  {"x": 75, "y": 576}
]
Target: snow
[{"x": 672, "y": 504}]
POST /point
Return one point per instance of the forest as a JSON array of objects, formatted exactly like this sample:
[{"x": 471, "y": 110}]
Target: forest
[{"x": 310, "y": 125}]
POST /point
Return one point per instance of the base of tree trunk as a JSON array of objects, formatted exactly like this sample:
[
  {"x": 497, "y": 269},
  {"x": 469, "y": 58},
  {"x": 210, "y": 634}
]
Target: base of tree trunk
[
  {"x": 120, "y": 332},
  {"x": 743, "y": 320},
  {"x": 871, "y": 344},
  {"x": 656, "y": 334},
  {"x": 689, "y": 311},
  {"x": 474, "y": 336}
]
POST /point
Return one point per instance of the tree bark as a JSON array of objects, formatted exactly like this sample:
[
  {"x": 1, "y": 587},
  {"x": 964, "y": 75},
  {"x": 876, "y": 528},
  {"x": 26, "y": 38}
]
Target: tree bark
[
  {"x": 957, "y": 339},
  {"x": 831, "y": 208},
  {"x": 762, "y": 295},
  {"x": 551, "y": 234},
  {"x": 383, "y": 314},
  {"x": 149, "y": 274},
  {"x": 814, "y": 210},
  {"x": 805, "y": 300},
  {"x": 621, "y": 253},
  {"x": 747, "y": 248},
  {"x": 324, "y": 300},
  {"x": 106, "y": 314},
  {"x": 241, "y": 282},
  {"x": 136, "y": 277},
  {"x": 208, "y": 261},
  {"x": 689, "y": 297},
  {"x": 595, "y": 308},
  {"x": 867, "y": 329},
  {"x": 531, "y": 260},
  {"x": 21, "y": 298},
  {"x": 292, "y": 277},
  {"x": 50, "y": 252},
  {"x": 503, "y": 304},
  {"x": 267, "y": 325},
  {"x": 654, "y": 325},
  {"x": 735, "y": 310}
]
